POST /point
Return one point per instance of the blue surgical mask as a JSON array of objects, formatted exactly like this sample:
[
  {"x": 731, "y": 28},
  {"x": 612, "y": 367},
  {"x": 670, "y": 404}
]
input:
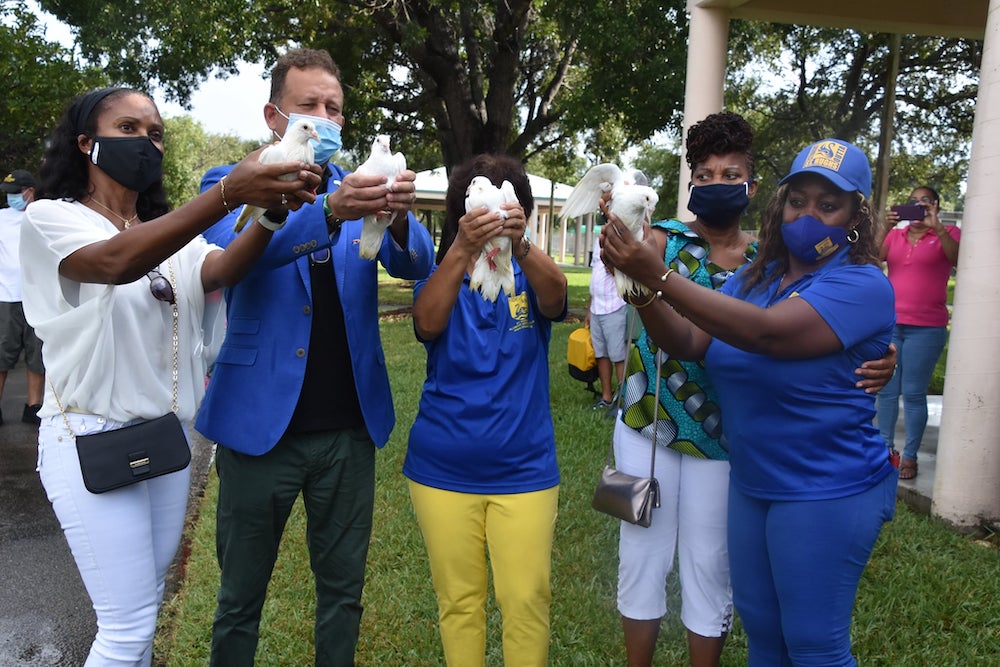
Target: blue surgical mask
[
  {"x": 16, "y": 201},
  {"x": 810, "y": 240},
  {"x": 328, "y": 131},
  {"x": 719, "y": 204}
]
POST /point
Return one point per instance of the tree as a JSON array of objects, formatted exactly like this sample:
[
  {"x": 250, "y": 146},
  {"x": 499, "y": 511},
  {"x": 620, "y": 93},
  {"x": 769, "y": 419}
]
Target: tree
[
  {"x": 837, "y": 89},
  {"x": 464, "y": 76},
  {"x": 189, "y": 152},
  {"x": 41, "y": 79},
  {"x": 661, "y": 164}
]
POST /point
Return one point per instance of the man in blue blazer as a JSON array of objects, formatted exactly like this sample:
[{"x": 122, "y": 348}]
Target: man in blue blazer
[{"x": 299, "y": 396}]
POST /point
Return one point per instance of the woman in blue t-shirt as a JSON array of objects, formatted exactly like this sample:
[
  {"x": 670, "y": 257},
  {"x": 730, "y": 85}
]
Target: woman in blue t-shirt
[
  {"x": 811, "y": 479},
  {"x": 481, "y": 457}
]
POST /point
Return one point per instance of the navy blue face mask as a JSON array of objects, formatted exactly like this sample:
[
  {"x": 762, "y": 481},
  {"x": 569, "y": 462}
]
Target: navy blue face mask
[
  {"x": 810, "y": 240},
  {"x": 719, "y": 204}
]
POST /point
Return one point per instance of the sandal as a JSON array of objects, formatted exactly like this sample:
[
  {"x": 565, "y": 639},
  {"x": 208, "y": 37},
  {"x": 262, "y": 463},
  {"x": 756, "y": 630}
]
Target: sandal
[{"x": 907, "y": 469}]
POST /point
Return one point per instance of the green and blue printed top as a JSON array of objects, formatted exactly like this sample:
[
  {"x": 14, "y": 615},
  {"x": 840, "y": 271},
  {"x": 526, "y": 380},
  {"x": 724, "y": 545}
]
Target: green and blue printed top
[{"x": 690, "y": 420}]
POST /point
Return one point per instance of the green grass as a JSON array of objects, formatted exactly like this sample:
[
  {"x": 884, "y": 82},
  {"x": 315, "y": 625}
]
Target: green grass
[{"x": 928, "y": 597}]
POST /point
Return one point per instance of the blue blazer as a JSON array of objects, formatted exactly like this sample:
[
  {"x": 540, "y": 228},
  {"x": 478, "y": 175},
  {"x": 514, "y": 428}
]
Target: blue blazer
[{"x": 258, "y": 375}]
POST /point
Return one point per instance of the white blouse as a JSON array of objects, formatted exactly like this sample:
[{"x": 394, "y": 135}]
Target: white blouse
[{"x": 108, "y": 349}]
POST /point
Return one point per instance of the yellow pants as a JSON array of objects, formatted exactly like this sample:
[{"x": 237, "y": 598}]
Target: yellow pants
[{"x": 518, "y": 530}]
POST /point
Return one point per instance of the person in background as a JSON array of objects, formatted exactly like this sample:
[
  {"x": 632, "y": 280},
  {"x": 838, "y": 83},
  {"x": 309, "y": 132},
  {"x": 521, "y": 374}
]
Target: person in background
[
  {"x": 811, "y": 480},
  {"x": 299, "y": 397},
  {"x": 16, "y": 335},
  {"x": 606, "y": 319},
  {"x": 920, "y": 257},
  {"x": 112, "y": 282},
  {"x": 481, "y": 458}
]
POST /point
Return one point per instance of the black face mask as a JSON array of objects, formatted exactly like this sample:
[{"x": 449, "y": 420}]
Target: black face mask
[
  {"x": 133, "y": 162},
  {"x": 719, "y": 204}
]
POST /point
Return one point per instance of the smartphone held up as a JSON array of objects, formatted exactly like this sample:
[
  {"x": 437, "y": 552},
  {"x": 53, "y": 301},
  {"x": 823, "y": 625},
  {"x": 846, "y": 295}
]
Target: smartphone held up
[{"x": 910, "y": 212}]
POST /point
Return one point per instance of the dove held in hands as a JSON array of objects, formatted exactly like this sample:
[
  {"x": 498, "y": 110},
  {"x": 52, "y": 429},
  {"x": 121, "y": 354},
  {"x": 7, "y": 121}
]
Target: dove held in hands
[
  {"x": 632, "y": 201},
  {"x": 493, "y": 269},
  {"x": 294, "y": 146},
  {"x": 381, "y": 162}
]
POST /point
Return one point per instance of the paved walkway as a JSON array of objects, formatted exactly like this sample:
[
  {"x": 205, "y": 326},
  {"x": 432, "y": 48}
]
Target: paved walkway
[
  {"x": 46, "y": 619},
  {"x": 917, "y": 492}
]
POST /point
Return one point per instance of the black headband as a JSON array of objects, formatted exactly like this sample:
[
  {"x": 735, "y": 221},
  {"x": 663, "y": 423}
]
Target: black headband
[{"x": 85, "y": 107}]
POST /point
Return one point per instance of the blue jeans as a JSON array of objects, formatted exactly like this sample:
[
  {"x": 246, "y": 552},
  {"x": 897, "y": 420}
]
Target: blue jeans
[
  {"x": 918, "y": 352},
  {"x": 795, "y": 571}
]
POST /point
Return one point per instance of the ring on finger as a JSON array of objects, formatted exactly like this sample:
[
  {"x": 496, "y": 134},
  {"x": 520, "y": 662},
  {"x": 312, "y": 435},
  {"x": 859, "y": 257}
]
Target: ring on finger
[{"x": 284, "y": 199}]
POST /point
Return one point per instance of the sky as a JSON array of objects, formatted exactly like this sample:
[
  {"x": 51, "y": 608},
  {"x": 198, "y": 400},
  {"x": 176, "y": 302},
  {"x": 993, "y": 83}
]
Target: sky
[{"x": 222, "y": 106}]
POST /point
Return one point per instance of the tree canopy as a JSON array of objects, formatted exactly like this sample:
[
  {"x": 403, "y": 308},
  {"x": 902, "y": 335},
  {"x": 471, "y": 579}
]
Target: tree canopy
[
  {"x": 447, "y": 78},
  {"x": 40, "y": 78},
  {"x": 837, "y": 88}
]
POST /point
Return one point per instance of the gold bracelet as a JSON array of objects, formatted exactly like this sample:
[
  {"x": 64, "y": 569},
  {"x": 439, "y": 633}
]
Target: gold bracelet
[
  {"x": 663, "y": 278},
  {"x": 222, "y": 187},
  {"x": 653, "y": 298}
]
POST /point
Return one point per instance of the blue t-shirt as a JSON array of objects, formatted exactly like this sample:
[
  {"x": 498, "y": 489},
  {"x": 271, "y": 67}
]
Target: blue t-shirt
[
  {"x": 799, "y": 429},
  {"x": 485, "y": 424}
]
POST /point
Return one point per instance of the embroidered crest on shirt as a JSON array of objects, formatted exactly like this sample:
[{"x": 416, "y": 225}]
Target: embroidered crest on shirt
[{"x": 518, "y": 305}]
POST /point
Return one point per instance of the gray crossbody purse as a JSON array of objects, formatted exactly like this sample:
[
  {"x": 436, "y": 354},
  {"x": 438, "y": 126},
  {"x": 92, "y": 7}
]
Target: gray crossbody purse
[{"x": 628, "y": 497}]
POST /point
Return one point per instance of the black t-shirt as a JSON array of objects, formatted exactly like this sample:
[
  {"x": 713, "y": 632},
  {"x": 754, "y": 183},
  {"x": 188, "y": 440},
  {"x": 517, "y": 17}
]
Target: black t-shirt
[{"x": 329, "y": 399}]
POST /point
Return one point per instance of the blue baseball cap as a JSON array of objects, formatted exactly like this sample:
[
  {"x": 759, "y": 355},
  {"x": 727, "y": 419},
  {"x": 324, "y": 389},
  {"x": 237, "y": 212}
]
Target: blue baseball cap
[{"x": 843, "y": 164}]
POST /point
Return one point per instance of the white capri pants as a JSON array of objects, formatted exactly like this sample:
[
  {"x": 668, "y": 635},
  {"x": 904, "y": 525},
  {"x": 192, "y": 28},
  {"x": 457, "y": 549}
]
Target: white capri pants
[
  {"x": 123, "y": 541},
  {"x": 691, "y": 519}
]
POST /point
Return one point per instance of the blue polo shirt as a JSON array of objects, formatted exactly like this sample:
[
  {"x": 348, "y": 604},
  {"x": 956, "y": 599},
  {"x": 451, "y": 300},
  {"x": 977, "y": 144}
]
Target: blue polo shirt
[
  {"x": 484, "y": 424},
  {"x": 799, "y": 429}
]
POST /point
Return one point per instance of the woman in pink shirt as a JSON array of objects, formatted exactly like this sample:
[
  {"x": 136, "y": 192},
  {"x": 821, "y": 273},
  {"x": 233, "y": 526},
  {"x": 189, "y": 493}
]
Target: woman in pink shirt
[{"x": 920, "y": 257}]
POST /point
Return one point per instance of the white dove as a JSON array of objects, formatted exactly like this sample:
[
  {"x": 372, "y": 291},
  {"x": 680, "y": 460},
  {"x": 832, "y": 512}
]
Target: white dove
[
  {"x": 493, "y": 269},
  {"x": 382, "y": 162},
  {"x": 293, "y": 146},
  {"x": 632, "y": 200}
]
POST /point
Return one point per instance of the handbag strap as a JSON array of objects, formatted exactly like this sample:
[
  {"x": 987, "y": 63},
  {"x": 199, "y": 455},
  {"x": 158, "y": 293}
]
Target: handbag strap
[
  {"x": 175, "y": 337},
  {"x": 656, "y": 400}
]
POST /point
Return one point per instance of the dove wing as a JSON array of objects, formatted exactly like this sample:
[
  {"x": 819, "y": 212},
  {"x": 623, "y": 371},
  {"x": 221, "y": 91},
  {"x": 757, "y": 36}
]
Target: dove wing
[{"x": 587, "y": 193}]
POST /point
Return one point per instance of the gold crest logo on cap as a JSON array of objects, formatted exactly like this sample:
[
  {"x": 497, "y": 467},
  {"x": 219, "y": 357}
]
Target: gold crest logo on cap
[
  {"x": 9, "y": 178},
  {"x": 826, "y": 154}
]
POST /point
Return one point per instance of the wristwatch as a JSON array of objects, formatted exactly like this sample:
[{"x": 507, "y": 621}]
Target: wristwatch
[{"x": 527, "y": 249}]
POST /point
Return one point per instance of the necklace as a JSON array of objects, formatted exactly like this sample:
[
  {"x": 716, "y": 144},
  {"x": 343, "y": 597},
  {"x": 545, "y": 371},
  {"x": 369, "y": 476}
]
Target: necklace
[{"x": 127, "y": 222}]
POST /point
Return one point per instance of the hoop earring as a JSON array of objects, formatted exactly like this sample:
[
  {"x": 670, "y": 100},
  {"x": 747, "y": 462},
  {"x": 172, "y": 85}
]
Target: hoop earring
[{"x": 853, "y": 236}]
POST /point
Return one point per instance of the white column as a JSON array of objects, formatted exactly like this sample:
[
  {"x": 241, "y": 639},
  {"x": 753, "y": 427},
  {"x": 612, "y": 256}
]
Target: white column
[
  {"x": 967, "y": 479},
  {"x": 708, "y": 41}
]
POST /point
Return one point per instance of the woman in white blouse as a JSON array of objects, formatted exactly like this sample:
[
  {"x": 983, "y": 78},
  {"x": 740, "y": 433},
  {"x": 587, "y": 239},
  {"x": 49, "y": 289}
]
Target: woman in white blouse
[{"x": 106, "y": 269}]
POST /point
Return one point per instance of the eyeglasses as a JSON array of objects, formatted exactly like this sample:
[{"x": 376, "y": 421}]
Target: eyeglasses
[
  {"x": 922, "y": 200},
  {"x": 160, "y": 287}
]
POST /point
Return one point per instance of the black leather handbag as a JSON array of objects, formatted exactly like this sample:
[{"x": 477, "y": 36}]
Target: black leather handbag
[{"x": 113, "y": 459}]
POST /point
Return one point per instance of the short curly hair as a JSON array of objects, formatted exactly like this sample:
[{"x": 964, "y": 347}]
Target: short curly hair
[{"x": 719, "y": 134}]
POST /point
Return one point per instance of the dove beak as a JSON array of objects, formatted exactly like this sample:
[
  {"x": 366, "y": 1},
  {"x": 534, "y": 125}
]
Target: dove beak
[{"x": 314, "y": 135}]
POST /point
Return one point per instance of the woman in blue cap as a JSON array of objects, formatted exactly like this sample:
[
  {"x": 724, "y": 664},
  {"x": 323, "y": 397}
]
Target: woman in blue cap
[{"x": 811, "y": 478}]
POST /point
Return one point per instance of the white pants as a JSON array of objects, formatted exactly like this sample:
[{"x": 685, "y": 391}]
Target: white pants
[
  {"x": 123, "y": 541},
  {"x": 691, "y": 519}
]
